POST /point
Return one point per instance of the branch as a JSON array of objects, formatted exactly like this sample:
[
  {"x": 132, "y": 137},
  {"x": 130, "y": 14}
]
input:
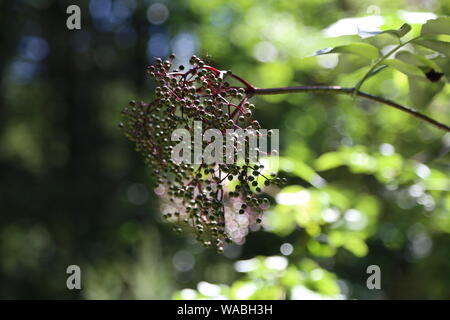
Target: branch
[{"x": 349, "y": 91}]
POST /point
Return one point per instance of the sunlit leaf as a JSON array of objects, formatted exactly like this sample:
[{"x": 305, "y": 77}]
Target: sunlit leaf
[
  {"x": 356, "y": 246},
  {"x": 360, "y": 49},
  {"x": 417, "y": 60},
  {"x": 320, "y": 249},
  {"x": 404, "y": 29},
  {"x": 329, "y": 161},
  {"x": 436, "y": 26},
  {"x": 389, "y": 167},
  {"x": 281, "y": 220},
  {"x": 369, "y": 205},
  {"x": 437, "y": 180},
  {"x": 431, "y": 70},
  {"x": 436, "y": 45},
  {"x": 408, "y": 69},
  {"x": 349, "y": 63},
  {"x": 268, "y": 292},
  {"x": 376, "y": 70},
  {"x": 339, "y": 197},
  {"x": 291, "y": 277}
]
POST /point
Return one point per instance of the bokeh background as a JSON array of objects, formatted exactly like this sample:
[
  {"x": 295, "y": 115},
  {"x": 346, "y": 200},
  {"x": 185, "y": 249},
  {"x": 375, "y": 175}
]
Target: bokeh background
[{"x": 367, "y": 183}]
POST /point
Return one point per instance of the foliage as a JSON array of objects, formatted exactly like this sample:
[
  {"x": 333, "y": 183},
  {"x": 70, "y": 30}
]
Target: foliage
[{"x": 420, "y": 67}]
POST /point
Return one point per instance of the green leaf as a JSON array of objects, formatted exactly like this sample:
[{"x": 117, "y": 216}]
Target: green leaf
[
  {"x": 374, "y": 72},
  {"x": 349, "y": 63},
  {"x": 360, "y": 49},
  {"x": 417, "y": 60},
  {"x": 408, "y": 69},
  {"x": 431, "y": 70},
  {"x": 436, "y": 45},
  {"x": 302, "y": 170},
  {"x": 436, "y": 26},
  {"x": 329, "y": 161},
  {"x": 437, "y": 180},
  {"x": 281, "y": 220},
  {"x": 320, "y": 249},
  {"x": 404, "y": 29},
  {"x": 356, "y": 246},
  {"x": 422, "y": 93},
  {"x": 444, "y": 64}
]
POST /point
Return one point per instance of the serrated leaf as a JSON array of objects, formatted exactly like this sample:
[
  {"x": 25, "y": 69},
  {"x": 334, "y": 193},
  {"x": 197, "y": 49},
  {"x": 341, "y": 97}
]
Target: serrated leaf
[
  {"x": 436, "y": 26},
  {"x": 360, "y": 49},
  {"x": 436, "y": 45},
  {"x": 404, "y": 29},
  {"x": 408, "y": 69}
]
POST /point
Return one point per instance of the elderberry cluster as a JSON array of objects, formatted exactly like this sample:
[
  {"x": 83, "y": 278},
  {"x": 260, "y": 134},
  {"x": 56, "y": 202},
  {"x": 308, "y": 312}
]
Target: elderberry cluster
[{"x": 218, "y": 201}]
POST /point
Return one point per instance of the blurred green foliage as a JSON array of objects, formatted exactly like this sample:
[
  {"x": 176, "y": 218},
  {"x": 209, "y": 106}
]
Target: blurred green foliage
[{"x": 367, "y": 184}]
